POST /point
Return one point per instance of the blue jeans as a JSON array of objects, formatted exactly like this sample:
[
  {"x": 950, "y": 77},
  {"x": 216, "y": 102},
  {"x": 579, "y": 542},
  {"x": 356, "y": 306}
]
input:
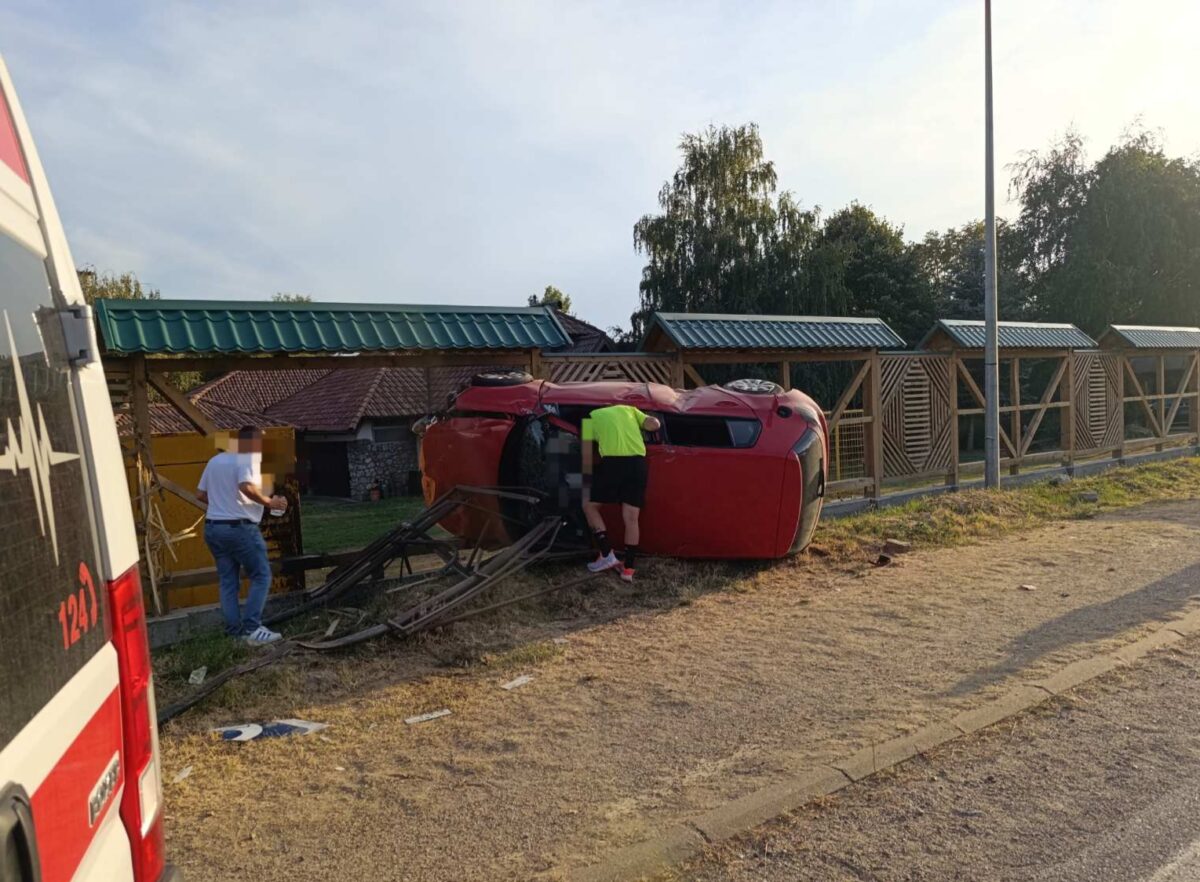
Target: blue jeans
[{"x": 238, "y": 547}]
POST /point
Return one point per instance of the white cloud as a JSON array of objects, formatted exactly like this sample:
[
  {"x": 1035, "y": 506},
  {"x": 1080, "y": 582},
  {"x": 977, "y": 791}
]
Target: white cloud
[{"x": 475, "y": 152}]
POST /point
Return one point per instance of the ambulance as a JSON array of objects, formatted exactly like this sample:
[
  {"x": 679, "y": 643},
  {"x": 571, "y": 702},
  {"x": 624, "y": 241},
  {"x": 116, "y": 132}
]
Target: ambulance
[{"x": 80, "y": 777}]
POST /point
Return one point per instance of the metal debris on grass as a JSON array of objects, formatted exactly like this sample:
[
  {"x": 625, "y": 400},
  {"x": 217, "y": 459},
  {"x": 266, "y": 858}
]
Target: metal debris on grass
[{"x": 425, "y": 718}]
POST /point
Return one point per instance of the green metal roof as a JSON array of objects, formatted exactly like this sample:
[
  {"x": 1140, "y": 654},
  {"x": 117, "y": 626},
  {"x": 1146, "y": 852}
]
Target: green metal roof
[
  {"x": 1150, "y": 337},
  {"x": 781, "y": 332},
  {"x": 153, "y": 327},
  {"x": 969, "y": 334}
]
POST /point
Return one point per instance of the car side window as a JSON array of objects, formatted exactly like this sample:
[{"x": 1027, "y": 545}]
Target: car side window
[{"x": 685, "y": 430}]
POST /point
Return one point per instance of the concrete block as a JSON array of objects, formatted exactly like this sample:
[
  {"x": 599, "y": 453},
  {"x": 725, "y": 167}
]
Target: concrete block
[
  {"x": 1159, "y": 639},
  {"x": 635, "y": 861},
  {"x": 1013, "y": 702},
  {"x": 894, "y": 751},
  {"x": 1078, "y": 672},
  {"x": 770, "y": 802}
]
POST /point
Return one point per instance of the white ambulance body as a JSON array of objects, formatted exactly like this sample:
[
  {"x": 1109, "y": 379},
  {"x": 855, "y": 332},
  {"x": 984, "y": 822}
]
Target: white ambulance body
[{"x": 80, "y": 779}]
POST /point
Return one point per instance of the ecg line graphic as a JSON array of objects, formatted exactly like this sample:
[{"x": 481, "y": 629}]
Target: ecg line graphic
[{"x": 29, "y": 448}]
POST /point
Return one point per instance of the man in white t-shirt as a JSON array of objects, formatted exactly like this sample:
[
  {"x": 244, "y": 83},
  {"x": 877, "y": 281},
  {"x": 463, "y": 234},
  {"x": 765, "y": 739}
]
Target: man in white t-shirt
[{"x": 231, "y": 487}]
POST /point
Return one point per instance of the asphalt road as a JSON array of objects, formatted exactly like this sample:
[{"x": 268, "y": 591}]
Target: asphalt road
[{"x": 1102, "y": 786}]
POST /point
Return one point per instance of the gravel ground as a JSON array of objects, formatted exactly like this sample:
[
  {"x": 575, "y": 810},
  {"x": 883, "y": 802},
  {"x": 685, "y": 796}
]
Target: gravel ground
[
  {"x": 1102, "y": 785},
  {"x": 638, "y": 723}
]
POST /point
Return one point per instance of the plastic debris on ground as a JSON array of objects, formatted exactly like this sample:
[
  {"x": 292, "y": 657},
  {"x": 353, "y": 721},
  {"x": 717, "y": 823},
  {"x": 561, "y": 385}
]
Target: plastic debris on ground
[
  {"x": 273, "y": 729},
  {"x": 425, "y": 718},
  {"x": 183, "y": 773},
  {"x": 197, "y": 676},
  {"x": 518, "y": 682}
]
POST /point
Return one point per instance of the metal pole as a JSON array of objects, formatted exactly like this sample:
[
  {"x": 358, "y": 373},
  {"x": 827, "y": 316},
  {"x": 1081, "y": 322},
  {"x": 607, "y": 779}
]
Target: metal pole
[{"x": 991, "y": 350}]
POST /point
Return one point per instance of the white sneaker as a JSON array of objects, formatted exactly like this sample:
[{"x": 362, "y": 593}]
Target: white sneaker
[
  {"x": 262, "y": 636},
  {"x": 601, "y": 564}
]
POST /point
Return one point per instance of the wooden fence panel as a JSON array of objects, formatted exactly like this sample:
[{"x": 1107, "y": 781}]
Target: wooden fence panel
[
  {"x": 917, "y": 414},
  {"x": 1099, "y": 408}
]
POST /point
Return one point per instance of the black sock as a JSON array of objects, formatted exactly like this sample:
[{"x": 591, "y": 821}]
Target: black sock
[
  {"x": 630, "y": 556},
  {"x": 603, "y": 543}
]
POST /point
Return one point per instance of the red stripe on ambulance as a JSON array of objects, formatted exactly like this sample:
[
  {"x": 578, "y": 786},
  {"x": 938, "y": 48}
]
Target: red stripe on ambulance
[
  {"x": 10, "y": 147},
  {"x": 64, "y": 814}
]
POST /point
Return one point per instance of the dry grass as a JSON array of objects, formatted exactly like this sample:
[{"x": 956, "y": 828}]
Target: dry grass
[{"x": 520, "y": 636}]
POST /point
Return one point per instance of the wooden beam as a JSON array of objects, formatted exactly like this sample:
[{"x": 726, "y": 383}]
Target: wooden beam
[
  {"x": 1044, "y": 405},
  {"x": 974, "y": 389},
  {"x": 1068, "y": 443},
  {"x": 182, "y": 404},
  {"x": 182, "y": 492},
  {"x": 1014, "y": 393},
  {"x": 843, "y": 401},
  {"x": 1179, "y": 394},
  {"x": 1141, "y": 398},
  {"x": 874, "y": 409},
  {"x": 774, "y": 357},
  {"x": 785, "y": 374},
  {"x": 1163, "y": 425},
  {"x": 220, "y": 362},
  {"x": 952, "y": 474},
  {"x": 692, "y": 374}
]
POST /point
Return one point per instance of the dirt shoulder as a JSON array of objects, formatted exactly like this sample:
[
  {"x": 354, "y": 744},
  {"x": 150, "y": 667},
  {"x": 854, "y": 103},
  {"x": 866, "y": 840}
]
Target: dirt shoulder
[
  {"x": 1101, "y": 785},
  {"x": 635, "y": 724}
]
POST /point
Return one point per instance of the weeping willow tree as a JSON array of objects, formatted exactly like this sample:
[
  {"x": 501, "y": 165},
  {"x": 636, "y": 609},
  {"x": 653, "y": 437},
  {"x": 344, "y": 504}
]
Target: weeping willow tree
[{"x": 724, "y": 240}]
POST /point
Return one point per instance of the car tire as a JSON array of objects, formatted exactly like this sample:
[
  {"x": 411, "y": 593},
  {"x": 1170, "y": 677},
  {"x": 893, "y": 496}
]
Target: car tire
[
  {"x": 502, "y": 378},
  {"x": 753, "y": 387}
]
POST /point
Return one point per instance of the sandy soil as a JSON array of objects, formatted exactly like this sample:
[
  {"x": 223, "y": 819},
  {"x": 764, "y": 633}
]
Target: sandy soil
[
  {"x": 640, "y": 722},
  {"x": 1072, "y": 790}
]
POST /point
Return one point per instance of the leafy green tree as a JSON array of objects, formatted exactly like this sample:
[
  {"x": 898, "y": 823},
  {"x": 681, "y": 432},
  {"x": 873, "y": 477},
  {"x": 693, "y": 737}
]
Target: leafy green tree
[
  {"x": 284, "y": 297},
  {"x": 552, "y": 297},
  {"x": 860, "y": 265},
  {"x": 1118, "y": 241},
  {"x": 952, "y": 264},
  {"x": 126, "y": 286},
  {"x": 724, "y": 241}
]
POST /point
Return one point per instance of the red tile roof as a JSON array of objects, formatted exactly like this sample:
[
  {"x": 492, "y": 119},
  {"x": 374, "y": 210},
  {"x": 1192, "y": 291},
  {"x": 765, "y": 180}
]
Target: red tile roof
[
  {"x": 166, "y": 420},
  {"x": 256, "y": 390}
]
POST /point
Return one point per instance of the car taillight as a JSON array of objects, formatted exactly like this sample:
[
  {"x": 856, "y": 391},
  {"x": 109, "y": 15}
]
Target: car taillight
[{"x": 142, "y": 800}]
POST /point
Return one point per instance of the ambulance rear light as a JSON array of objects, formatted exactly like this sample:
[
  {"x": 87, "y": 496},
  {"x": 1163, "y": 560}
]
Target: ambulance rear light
[{"x": 142, "y": 801}]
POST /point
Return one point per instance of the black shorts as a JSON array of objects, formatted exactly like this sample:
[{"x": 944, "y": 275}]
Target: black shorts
[{"x": 620, "y": 479}]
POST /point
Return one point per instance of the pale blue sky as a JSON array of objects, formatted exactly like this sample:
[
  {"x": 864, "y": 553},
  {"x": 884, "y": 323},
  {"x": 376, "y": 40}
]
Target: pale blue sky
[{"x": 469, "y": 152}]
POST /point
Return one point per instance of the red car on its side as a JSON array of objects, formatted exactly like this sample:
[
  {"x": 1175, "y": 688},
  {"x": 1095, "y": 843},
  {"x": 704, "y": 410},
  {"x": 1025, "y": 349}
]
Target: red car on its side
[{"x": 737, "y": 471}]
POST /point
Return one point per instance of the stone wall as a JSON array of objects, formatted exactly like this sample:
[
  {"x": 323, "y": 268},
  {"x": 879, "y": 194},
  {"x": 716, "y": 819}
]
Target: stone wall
[{"x": 384, "y": 462}]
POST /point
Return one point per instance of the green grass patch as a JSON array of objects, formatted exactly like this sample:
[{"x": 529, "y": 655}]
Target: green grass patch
[
  {"x": 957, "y": 518},
  {"x": 335, "y": 525}
]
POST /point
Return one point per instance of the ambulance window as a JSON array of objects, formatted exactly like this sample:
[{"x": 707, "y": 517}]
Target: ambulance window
[{"x": 51, "y": 606}]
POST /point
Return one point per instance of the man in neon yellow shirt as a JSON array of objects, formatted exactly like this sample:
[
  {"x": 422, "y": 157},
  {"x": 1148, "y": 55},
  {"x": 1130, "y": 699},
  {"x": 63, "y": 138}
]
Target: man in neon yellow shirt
[{"x": 620, "y": 477}]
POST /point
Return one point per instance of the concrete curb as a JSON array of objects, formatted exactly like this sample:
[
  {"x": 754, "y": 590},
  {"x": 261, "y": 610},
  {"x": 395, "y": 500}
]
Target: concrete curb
[{"x": 741, "y": 815}]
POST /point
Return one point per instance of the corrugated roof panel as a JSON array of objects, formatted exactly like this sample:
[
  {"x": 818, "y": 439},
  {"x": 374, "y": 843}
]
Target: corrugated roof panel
[
  {"x": 1151, "y": 337},
  {"x": 969, "y": 334},
  {"x": 780, "y": 332},
  {"x": 196, "y": 326}
]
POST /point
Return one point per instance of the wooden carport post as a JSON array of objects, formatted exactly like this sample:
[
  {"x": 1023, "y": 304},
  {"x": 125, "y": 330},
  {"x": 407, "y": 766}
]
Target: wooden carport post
[
  {"x": 143, "y": 467},
  {"x": 874, "y": 437}
]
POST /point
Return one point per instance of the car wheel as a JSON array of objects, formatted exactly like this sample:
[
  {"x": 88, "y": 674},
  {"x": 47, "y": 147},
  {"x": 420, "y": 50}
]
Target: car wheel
[
  {"x": 754, "y": 387},
  {"x": 502, "y": 378}
]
